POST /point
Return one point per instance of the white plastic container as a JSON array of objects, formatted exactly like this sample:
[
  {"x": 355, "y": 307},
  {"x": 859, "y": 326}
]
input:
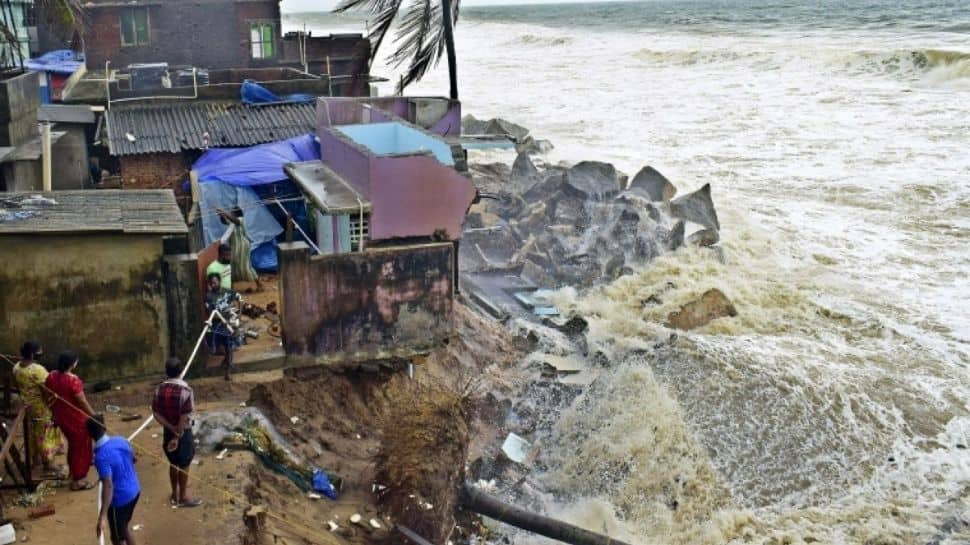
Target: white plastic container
[{"x": 7, "y": 534}]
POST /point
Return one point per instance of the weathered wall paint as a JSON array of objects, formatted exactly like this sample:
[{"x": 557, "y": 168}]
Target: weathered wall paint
[
  {"x": 100, "y": 295},
  {"x": 378, "y": 303},
  {"x": 417, "y": 196},
  {"x": 411, "y": 195}
]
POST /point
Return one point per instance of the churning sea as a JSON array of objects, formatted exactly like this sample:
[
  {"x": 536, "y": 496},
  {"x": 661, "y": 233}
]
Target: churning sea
[{"x": 836, "y": 138}]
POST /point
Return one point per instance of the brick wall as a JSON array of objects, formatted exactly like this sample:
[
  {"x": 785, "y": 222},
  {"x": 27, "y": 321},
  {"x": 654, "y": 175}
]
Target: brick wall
[
  {"x": 156, "y": 171},
  {"x": 206, "y": 34}
]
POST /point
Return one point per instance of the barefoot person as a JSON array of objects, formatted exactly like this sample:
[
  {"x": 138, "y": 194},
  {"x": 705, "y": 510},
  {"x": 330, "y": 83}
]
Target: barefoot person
[
  {"x": 115, "y": 461},
  {"x": 173, "y": 405},
  {"x": 71, "y": 411},
  {"x": 45, "y": 439}
]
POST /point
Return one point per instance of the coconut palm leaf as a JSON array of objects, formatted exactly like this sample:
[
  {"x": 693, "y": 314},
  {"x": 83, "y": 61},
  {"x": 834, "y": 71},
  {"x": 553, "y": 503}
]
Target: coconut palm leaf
[{"x": 421, "y": 40}]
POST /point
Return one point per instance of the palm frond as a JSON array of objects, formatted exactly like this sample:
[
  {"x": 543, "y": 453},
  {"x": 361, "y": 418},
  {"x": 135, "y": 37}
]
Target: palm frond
[
  {"x": 385, "y": 12},
  {"x": 421, "y": 39}
]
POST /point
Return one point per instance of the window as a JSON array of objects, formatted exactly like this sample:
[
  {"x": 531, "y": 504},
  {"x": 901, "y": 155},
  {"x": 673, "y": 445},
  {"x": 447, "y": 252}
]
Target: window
[
  {"x": 261, "y": 37},
  {"x": 134, "y": 26}
]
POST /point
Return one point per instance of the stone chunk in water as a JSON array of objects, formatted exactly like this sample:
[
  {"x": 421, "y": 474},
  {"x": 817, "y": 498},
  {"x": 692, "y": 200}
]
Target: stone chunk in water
[
  {"x": 712, "y": 304},
  {"x": 652, "y": 185},
  {"x": 697, "y": 207}
]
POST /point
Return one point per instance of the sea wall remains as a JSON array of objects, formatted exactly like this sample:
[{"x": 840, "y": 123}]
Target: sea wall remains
[{"x": 377, "y": 304}]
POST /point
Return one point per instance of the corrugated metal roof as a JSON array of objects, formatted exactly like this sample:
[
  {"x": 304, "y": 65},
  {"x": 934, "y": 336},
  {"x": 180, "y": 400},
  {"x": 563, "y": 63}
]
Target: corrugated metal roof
[
  {"x": 173, "y": 127},
  {"x": 130, "y": 211}
]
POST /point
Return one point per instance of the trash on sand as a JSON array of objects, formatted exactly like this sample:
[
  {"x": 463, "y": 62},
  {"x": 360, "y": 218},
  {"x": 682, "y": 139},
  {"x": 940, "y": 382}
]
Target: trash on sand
[
  {"x": 314, "y": 496},
  {"x": 355, "y": 518},
  {"x": 242, "y": 404},
  {"x": 130, "y": 417},
  {"x": 42, "y": 510},
  {"x": 222, "y": 454},
  {"x": 7, "y": 534},
  {"x": 154, "y": 436},
  {"x": 294, "y": 419},
  {"x": 427, "y": 506},
  {"x": 358, "y": 436},
  {"x": 517, "y": 449},
  {"x": 137, "y": 527},
  {"x": 377, "y": 488},
  {"x": 333, "y": 525},
  {"x": 375, "y": 523},
  {"x": 112, "y": 409}
]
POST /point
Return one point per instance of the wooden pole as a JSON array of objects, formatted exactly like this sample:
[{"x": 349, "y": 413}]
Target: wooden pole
[{"x": 490, "y": 507}]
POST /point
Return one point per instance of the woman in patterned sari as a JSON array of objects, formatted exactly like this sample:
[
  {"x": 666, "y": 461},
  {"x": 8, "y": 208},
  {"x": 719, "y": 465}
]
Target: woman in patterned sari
[{"x": 46, "y": 440}]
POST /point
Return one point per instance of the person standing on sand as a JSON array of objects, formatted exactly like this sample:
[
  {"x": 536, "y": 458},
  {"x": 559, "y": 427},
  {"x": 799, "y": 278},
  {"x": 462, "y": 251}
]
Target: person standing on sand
[
  {"x": 45, "y": 438},
  {"x": 115, "y": 461},
  {"x": 172, "y": 406},
  {"x": 71, "y": 411}
]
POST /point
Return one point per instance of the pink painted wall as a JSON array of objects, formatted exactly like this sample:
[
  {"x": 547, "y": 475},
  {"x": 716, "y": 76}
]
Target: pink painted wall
[
  {"x": 416, "y": 196},
  {"x": 351, "y": 162}
]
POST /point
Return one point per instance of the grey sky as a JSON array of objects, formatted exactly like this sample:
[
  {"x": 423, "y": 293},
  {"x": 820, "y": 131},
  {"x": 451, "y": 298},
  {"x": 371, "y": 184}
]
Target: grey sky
[{"x": 326, "y": 5}]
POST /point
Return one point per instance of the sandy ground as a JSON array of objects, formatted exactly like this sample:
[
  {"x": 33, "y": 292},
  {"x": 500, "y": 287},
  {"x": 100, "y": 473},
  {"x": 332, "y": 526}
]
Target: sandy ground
[{"x": 344, "y": 418}]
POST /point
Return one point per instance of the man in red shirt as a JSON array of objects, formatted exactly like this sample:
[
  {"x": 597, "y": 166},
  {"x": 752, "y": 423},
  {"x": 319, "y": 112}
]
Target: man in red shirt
[{"x": 173, "y": 406}]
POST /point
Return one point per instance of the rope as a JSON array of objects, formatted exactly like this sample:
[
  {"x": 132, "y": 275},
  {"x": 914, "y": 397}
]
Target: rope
[{"x": 320, "y": 536}]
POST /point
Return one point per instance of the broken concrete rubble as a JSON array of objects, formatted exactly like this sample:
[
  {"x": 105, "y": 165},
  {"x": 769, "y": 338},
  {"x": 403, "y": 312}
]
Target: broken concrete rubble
[{"x": 711, "y": 305}]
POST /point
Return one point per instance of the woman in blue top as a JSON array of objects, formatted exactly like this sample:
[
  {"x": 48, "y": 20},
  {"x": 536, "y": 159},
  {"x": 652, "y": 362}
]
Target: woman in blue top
[{"x": 115, "y": 461}]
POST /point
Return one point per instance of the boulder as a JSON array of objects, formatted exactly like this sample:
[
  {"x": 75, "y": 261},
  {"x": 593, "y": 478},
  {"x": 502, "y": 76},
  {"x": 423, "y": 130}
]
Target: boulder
[
  {"x": 505, "y": 128},
  {"x": 593, "y": 180},
  {"x": 697, "y": 207},
  {"x": 524, "y": 173},
  {"x": 676, "y": 237},
  {"x": 471, "y": 125},
  {"x": 652, "y": 185},
  {"x": 711, "y": 305},
  {"x": 508, "y": 205},
  {"x": 552, "y": 181},
  {"x": 531, "y": 145},
  {"x": 490, "y": 177},
  {"x": 704, "y": 237}
]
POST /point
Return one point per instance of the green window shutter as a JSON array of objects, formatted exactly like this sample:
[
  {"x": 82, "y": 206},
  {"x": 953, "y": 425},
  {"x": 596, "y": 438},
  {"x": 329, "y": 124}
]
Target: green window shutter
[
  {"x": 267, "y": 41},
  {"x": 127, "y": 28},
  {"x": 141, "y": 25}
]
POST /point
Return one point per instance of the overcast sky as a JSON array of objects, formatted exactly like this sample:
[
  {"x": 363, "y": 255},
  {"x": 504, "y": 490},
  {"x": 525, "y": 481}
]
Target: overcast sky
[{"x": 326, "y": 5}]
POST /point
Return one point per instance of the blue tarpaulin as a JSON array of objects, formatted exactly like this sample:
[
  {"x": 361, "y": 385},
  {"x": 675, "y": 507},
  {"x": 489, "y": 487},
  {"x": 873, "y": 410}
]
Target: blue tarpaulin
[
  {"x": 254, "y": 93},
  {"x": 61, "y": 61},
  {"x": 251, "y": 179}
]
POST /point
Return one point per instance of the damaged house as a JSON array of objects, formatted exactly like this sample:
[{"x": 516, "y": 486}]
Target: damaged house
[{"x": 388, "y": 207}]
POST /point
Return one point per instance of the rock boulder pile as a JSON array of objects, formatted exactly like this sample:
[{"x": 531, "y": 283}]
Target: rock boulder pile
[{"x": 577, "y": 225}]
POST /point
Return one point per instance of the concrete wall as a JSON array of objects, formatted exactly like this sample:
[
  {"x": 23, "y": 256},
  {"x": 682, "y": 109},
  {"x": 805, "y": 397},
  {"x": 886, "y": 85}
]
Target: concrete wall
[
  {"x": 376, "y": 304},
  {"x": 24, "y": 175},
  {"x": 69, "y": 165},
  {"x": 101, "y": 295}
]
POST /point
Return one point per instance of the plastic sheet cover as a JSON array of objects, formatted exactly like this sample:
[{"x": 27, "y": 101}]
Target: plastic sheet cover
[
  {"x": 234, "y": 178},
  {"x": 254, "y": 93}
]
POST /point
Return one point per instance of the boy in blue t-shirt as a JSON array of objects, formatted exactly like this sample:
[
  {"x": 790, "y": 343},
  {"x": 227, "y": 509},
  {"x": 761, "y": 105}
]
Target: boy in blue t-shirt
[{"x": 115, "y": 461}]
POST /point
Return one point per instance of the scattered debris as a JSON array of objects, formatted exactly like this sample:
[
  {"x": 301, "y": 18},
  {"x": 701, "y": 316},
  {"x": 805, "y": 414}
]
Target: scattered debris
[
  {"x": 518, "y": 449},
  {"x": 294, "y": 419},
  {"x": 375, "y": 524},
  {"x": 355, "y": 518},
  {"x": 222, "y": 454},
  {"x": 131, "y": 417},
  {"x": 42, "y": 510},
  {"x": 333, "y": 525}
]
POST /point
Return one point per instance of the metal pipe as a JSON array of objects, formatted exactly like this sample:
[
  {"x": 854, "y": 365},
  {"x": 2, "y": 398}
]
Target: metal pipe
[
  {"x": 360, "y": 225},
  {"x": 45, "y": 143}
]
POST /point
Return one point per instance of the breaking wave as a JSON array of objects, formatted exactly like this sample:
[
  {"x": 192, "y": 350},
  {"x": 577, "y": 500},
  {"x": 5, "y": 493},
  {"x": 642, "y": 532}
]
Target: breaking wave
[
  {"x": 932, "y": 66},
  {"x": 547, "y": 41}
]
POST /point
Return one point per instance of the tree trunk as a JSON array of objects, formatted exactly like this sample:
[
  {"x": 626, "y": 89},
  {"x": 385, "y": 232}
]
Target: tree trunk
[
  {"x": 490, "y": 507},
  {"x": 448, "y": 21}
]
